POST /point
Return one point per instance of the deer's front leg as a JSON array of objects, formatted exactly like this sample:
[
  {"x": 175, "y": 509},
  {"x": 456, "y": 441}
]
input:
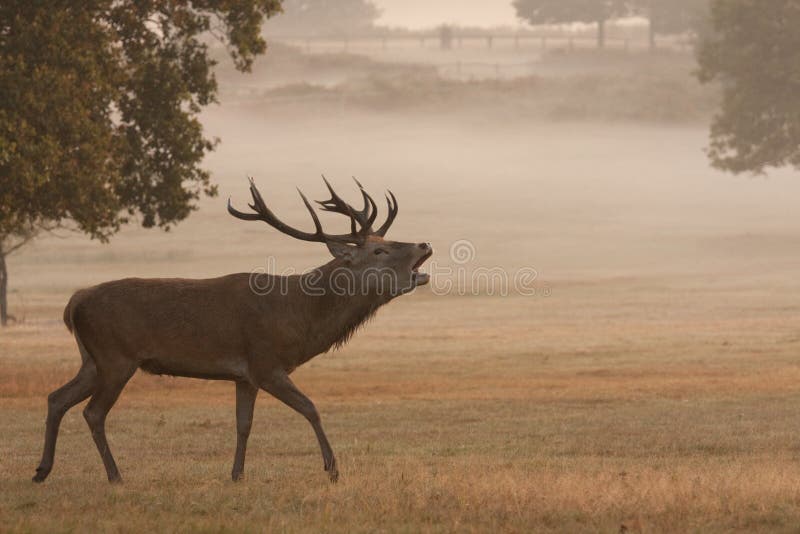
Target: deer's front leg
[
  {"x": 245, "y": 402},
  {"x": 282, "y": 388}
]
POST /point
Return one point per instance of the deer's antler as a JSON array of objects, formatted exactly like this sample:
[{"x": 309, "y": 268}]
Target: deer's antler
[{"x": 360, "y": 220}]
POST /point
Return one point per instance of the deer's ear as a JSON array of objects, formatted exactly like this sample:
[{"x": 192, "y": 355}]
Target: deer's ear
[{"x": 341, "y": 250}]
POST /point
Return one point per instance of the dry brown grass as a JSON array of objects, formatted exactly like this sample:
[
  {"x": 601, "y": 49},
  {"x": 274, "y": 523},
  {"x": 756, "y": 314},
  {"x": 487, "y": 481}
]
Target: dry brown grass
[{"x": 488, "y": 425}]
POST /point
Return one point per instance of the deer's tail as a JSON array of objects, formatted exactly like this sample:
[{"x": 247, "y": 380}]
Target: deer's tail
[
  {"x": 69, "y": 321},
  {"x": 69, "y": 309},
  {"x": 68, "y": 315}
]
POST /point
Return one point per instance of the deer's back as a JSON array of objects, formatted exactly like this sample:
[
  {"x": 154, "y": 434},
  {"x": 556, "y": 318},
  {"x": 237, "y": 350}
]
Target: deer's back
[{"x": 171, "y": 326}]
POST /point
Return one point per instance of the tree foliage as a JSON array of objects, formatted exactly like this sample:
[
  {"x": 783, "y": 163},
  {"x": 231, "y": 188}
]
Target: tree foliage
[
  {"x": 99, "y": 104},
  {"x": 753, "y": 50},
  {"x": 569, "y": 11}
]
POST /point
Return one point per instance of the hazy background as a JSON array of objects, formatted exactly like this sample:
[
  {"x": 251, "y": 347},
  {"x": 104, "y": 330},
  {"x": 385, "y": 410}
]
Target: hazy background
[
  {"x": 580, "y": 164},
  {"x": 650, "y": 384}
]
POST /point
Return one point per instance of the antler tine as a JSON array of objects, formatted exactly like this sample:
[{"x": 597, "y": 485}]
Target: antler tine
[
  {"x": 368, "y": 203},
  {"x": 263, "y": 213},
  {"x": 337, "y": 205},
  {"x": 246, "y": 216},
  {"x": 258, "y": 202},
  {"x": 393, "y": 208},
  {"x": 317, "y": 224},
  {"x": 240, "y": 215}
]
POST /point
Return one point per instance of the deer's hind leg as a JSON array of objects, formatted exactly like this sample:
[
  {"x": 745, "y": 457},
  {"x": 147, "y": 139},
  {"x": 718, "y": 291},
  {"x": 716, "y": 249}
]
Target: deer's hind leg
[
  {"x": 58, "y": 403},
  {"x": 110, "y": 382}
]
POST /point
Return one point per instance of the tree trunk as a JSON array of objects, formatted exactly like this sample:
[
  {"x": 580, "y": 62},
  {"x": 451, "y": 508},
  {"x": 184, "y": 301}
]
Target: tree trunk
[
  {"x": 3, "y": 290},
  {"x": 601, "y": 33}
]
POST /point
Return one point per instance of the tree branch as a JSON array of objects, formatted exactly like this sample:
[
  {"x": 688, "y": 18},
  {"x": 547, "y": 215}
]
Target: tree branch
[{"x": 17, "y": 240}]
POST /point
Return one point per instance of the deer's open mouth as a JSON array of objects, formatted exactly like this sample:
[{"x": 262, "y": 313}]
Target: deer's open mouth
[{"x": 420, "y": 279}]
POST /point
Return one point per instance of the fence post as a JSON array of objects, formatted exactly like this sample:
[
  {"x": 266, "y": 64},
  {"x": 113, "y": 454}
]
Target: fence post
[{"x": 489, "y": 42}]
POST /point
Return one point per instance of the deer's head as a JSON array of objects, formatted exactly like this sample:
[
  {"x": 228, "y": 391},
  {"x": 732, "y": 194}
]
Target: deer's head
[{"x": 365, "y": 261}]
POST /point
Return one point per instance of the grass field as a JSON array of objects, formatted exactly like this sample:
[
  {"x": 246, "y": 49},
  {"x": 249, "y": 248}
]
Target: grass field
[
  {"x": 643, "y": 414},
  {"x": 651, "y": 385}
]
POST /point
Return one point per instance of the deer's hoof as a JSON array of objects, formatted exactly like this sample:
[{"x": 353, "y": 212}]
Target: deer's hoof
[
  {"x": 333, "y": 474},
  {"x": 40, "y": 475}
]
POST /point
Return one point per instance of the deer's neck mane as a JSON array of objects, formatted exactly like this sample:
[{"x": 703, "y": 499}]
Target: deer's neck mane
[
  {"x": 340, "y": 313},
  {"x": 346, "y": 320}
]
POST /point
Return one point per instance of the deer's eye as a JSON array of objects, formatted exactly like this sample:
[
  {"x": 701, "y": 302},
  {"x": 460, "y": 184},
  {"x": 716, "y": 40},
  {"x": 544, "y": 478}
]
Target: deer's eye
[{"x": 379, "y": 251}]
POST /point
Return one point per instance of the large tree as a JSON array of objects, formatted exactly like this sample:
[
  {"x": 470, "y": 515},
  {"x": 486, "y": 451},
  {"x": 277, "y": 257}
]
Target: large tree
[
  {"x": 753, "y": 51},
  {"x": 568, "y": 11},
  {"x": 99, "y": 104}
]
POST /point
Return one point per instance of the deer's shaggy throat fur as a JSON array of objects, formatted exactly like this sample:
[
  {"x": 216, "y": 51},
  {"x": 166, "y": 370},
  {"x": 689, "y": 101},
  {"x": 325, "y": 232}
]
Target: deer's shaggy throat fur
[
  {"x": 352, "y": 322},
  {"x": 347, "y": 314},
  {"x": 337, "y": 313}
]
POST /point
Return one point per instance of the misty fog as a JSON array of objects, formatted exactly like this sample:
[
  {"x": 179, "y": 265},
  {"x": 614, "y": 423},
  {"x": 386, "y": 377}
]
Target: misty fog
[
  {"x": 575, "y": 196},
  {"x": 642, "y": 377}
]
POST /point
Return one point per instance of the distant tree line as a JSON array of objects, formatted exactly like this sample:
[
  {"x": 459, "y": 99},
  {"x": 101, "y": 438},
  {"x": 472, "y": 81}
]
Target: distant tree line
[
  {"x": 665, "y": 16},
  {"x": 342, "y": 18}
]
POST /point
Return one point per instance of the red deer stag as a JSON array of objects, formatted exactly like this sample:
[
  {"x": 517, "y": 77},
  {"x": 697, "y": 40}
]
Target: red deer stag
[{"x": 225, "y": 329}]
